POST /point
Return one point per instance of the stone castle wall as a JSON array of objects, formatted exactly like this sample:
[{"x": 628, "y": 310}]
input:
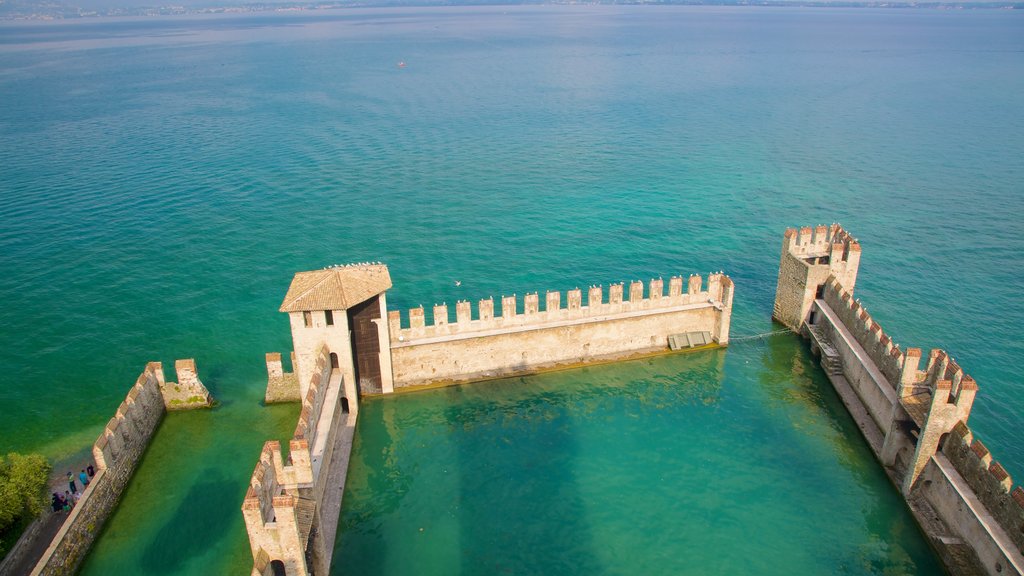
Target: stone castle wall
[
  {"x": 879, "y": 346},
  {"x": 809, "y": 257},
  {"x": 914, "y": 418},
  {"x": 511, "y": 343},
  {"x": 117, "y": 451},
  {"x": 988, "y": 480},
  {"x": 313, "y": 403}
]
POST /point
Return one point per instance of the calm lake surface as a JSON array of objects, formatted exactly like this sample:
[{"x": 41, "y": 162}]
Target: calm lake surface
[{"x": 162, "y": 179}]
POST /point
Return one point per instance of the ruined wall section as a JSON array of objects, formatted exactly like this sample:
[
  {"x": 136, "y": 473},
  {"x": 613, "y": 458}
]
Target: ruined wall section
[
  {"x": 514, "y": 342},
  {"x": 188, "y": 392},
  {"x": 281, "y": 386},
  {"x": 117, "y": 451},
  {"x": 988, "y": 480}
]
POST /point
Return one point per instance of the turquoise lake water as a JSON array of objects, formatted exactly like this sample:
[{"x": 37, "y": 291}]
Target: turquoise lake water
[{"x": 162, "y": 179}]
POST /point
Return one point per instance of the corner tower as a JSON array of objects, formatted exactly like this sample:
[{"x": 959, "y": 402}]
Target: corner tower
[
  {"x": 341, "y": 308},
  {"x": 809, "y": 257}
]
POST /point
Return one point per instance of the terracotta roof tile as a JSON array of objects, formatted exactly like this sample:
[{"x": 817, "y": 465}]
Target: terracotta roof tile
[{"x": 336, "y": 288}]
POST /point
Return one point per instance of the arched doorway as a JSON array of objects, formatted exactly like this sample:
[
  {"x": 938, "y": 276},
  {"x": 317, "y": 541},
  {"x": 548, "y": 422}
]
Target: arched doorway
[
  {"x": 334, "y": 361},
  {"x": 277, "y": 567}
]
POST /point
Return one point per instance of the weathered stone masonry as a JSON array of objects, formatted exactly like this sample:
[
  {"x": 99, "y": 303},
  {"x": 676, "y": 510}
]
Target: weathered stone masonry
[
  {"x": 117, "y": 451},
  {"x": 914, "y": 419}
]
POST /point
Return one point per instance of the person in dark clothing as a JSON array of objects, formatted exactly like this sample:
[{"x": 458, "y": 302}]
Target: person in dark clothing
[
  {"x": 90, "y": 470},
  {"x": 55, "y": 503}
]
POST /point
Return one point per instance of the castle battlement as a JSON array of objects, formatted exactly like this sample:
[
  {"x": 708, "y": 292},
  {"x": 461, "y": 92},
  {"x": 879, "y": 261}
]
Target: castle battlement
[
  {"x": 274, "y": 517},
  {"x": 885, "y": 353},
  {"x": 313, "y": 402},
  {"x": 988, "y": 480},
  {"x": 116, "y": 452},
  {"x": 914, "y": 417},
  {"x": 718, "y": 293},
  {"x": 821, "y": 241},
  {"x": 143, "y": 404},
  {"x": 809, "y": 257}
]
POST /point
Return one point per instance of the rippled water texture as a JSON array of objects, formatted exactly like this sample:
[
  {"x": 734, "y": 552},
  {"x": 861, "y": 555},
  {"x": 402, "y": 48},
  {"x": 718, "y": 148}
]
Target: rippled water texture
[{"x": 162, "y": 179}]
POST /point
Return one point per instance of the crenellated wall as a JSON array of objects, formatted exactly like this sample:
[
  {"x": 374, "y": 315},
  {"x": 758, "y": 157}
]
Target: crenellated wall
[
  {"x": 564, "y": 331},
  {"x": 271, "y": 515},
  {"x": 914, "y": 418},
  {"x": 988, "y": 480},
  {"x": 290, "y": 515},
  {"x": 316, "y": 392},
  {"x": 809, "y": 257},
  {"x": 117, "y": 451},
  {"x": 879, "y": 346}
]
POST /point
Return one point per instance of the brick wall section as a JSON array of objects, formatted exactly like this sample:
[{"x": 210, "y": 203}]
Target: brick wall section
[
  {"x": 117, "y": 452},
  {"x": 988, "y": 480}
]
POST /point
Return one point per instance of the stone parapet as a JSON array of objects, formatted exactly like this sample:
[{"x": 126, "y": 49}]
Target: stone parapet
[{"x": 719, "y": 291}]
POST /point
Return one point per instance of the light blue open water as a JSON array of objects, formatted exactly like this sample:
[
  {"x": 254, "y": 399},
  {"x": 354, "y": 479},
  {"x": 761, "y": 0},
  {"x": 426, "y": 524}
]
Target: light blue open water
[{"x": 162, "y": 179}]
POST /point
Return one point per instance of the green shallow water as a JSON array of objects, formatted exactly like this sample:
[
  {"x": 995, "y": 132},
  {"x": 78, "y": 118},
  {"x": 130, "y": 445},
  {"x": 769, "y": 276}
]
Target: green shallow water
[
  {"x": 737, "y": 461},
  {"x": 162, "y": 179}
]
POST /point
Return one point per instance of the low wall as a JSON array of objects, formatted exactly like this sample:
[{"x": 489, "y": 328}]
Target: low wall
[
  {"x": 117, "y": 451},
  {"x": 492, "y": 346}
]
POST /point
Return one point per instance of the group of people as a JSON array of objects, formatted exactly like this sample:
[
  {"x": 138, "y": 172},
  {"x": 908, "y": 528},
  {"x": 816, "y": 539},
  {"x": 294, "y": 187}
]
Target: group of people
[{"x": 66, "y": 501}]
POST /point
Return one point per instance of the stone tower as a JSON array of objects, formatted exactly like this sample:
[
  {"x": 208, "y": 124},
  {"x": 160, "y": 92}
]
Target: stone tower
[
  {"x": 342, "y": 308},
  {"x": 809, "y": 257}
]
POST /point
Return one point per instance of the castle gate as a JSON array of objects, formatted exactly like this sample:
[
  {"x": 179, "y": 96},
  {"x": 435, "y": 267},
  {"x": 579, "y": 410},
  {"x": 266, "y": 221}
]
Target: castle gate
[{"x": 366, "y": 344}]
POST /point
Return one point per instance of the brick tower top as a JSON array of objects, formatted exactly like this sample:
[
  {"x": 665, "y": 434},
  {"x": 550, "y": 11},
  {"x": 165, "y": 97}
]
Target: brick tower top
[{"x": 809, "y": 257}]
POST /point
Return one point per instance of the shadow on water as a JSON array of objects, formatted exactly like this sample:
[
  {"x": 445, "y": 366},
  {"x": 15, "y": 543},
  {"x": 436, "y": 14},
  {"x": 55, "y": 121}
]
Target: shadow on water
[
  {"x": 499, "y": 477},
  {"x": 202, "y": 518},
  {"x": 790, "y": 374},
  {"x": 530, "y": 524}
]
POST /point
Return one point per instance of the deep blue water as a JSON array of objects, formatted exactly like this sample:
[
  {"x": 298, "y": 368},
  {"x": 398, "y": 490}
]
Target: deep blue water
[{"x": 162, "y": 179}]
